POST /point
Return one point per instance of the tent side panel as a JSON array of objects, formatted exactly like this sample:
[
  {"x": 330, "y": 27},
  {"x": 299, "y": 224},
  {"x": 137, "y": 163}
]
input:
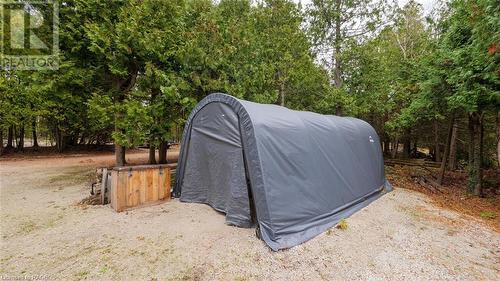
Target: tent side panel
[
  {"x": 253, "y": 163},
  {"x": 214, "y": 170},
  {"x": 316, "y": 170}
]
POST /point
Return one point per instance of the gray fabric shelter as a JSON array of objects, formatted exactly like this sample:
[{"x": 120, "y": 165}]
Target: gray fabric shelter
[{"x": 302, "y": 171}]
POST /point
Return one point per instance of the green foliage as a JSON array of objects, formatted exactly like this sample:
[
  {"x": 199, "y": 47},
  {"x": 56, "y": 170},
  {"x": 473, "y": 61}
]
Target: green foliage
[
  {"x": 488, "y": 215},
  {"x": 471, "y": 38},
  {"x": 333, "y": 100},
  {"x": 134, "y": 125},
  {"x": 342, "y": 225},
  {"x": 335, "y": 26},
  {"x": 131, "y": 71},
  {"x": 100, "y": 113}
]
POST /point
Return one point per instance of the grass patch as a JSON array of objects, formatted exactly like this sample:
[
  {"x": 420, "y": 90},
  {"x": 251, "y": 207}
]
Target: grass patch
[
  {"x": 54, "y": 220},
  {"x": 73, "y": 175},
  {"x": 104, "y": 269},
  {"x": 188, "y": 274},
  {"x": 81, "y": 275},
  {"x": 488, "y": 215},
  {"x": 27, "y": 227},
  {"x": 329, "y": 232},
  {"x": 342, "y": 225}
]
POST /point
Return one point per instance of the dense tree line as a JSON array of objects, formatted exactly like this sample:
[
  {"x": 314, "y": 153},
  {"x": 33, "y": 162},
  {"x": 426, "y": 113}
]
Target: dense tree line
[{"x": 130, "y": 72}]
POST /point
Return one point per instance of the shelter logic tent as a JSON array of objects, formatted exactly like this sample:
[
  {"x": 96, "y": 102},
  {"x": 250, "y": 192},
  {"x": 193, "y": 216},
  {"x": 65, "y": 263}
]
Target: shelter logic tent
[{"x": 300, "y": 172}]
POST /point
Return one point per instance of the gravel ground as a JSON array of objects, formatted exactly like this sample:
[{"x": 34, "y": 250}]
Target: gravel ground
[{"x": 46, "y": 235}]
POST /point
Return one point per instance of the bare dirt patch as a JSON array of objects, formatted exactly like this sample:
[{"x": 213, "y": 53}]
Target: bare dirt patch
[
  {"x": 402, "y": 236},
  {"x": 453, "y": 194},
  {"x": 81, "y": 158}
]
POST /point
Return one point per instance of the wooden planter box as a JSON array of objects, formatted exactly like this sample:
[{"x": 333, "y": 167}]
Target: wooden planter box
[{"x": 138, "y": 185}]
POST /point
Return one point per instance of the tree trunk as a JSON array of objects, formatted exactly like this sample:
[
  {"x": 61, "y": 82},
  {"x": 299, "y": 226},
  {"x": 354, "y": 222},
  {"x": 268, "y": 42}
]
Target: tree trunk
[
  {"x": 68, "y": 140},
  {"x": 122, "y": 87},
  {"x": 281, "y": 88},
  {"x": 162, "y": 151},
  {"x": 152, "y": 151},
  {"x": 119, "y": 149},
  {"x": 470, "y": 159},
  {"x": 385, "y": 147},
  {"x": 442, "y": 169},
  {"x": 35, "y": 137},
  {"x": 385, "y": 137},
  {"x": 282, "y": 94},
  {"x": 406, "y": 148},
  {"x": 337, "y": 72},
  {"x": 15, "y": 136},
  {"x": 407, "y": 144},
  {"x": 1, "y": 141},
  {"x": 415, "y": 149},
  {"x": 119, "y": 155},
  {"x": 59, "y": 139},
  {"x": 20, "y": 143},
  {"x": 82, "y": 140},
  {"x": 337, "y": 45},
  {"x": 10, "y": 137},
  {"x": 453, "y": 148},
  {"x": 474, "y": 184},
  {"x": 437, "y": 150},
  {"x": 478, "y": 159},
  {"x": 155, "y": 92},
  {"x": 72, "y": 140},
  {"x": 395, "y": 147},
  {"x": 498, "y": 137}
]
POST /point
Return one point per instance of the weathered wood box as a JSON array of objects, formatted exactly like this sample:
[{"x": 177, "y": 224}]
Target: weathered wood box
[{"x": 139, "y": 185}]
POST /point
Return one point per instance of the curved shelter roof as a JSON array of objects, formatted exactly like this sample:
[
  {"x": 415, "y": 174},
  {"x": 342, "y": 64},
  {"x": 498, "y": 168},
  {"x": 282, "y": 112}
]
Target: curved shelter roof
[{"x": 301, "y": 172}]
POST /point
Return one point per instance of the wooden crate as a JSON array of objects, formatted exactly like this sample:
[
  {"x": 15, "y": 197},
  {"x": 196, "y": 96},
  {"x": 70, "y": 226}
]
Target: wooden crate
[{"x": 138, "y": 185}]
